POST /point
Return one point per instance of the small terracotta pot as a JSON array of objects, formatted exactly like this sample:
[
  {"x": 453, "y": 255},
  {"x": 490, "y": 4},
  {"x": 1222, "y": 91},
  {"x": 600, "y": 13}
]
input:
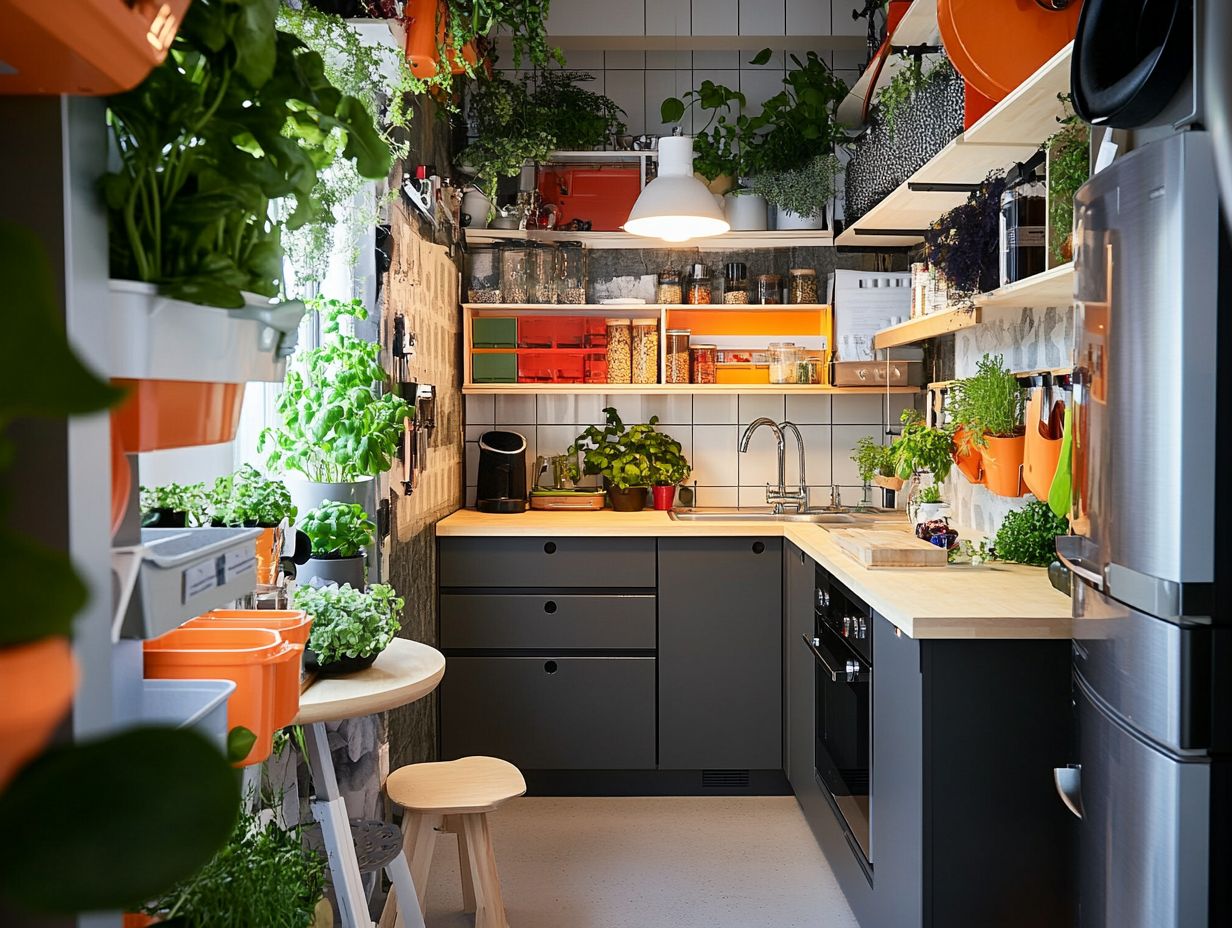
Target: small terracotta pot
[
  {"x": 631, "y": 499},
  {"x": 888, "y": 483},
  {"x": 664, "y": 497},
  {"x": 970, "y": 463},
  {"x": 36, "y": 687},
  {"x": 1003, "y": 465}
]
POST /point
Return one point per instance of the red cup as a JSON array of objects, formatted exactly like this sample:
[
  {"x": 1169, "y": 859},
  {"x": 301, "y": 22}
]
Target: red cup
[{"x": 664, "y": 497}]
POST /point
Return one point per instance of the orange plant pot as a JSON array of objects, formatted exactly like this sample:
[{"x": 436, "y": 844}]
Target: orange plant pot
[
  {"x": 36, "y": 687},
  {"x": 1002, "y": 462},
  {"x": 970, "y": 463},
  {"x": 159, "y": 414},
  {"x": 1040, "y": 454},
  {"x": 425, "y": 32}
]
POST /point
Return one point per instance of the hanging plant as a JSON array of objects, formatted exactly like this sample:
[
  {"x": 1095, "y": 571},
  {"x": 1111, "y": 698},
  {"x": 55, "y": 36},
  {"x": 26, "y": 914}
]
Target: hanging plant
[
  {"x": 1069, "y": 166},
  {"x": 896, "y": 96},
  {"x": 964, "y": 243}
]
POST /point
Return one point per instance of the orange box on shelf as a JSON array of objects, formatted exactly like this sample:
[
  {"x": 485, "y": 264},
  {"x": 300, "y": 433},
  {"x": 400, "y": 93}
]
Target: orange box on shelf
[
  {"x": 601, "y": 194},
  {"x": 742, "y": 373},
  {"x": 160, "y": 414}
]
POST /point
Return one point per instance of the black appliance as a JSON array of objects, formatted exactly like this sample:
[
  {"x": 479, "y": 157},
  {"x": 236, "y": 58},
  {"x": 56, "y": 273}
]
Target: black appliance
[
  {"x": 843, "y": 649},
  {"x": 502, "y": 472}
]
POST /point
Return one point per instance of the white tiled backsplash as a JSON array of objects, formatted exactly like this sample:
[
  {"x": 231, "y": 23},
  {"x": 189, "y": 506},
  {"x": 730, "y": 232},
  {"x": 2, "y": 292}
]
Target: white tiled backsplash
[{"x": 708, "y": 428}]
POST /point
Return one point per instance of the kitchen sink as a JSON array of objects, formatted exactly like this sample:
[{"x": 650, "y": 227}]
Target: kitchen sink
[{"x": 762, "y": 514}]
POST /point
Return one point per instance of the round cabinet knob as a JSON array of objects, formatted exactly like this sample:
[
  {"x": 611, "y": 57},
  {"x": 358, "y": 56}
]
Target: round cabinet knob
[
  {"x": 759, "y": 547},
  {"x": 549, "y": 666},
  {"x": 549, "y": 607},
  {"x": 549, "y": 548}
]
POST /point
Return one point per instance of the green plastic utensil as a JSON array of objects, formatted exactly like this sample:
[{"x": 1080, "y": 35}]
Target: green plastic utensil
[{"x": 1059, "y": 492}]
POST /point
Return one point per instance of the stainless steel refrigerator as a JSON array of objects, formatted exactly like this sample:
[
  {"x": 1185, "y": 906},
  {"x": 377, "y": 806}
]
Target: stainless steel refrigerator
[{"x": 1150, "y": 651}]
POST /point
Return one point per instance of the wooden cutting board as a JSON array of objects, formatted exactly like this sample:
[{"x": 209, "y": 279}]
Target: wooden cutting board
[{"x": 873, "y": 548}]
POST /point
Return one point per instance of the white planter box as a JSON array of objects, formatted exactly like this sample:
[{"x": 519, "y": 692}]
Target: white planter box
[{"x": 153, "y": 337}]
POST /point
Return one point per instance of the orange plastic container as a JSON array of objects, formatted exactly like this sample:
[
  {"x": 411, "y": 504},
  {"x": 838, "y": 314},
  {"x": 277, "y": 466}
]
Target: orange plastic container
[
  {"x": 160, "y": 414},
  {"x": 36, "y": 689},
  {"x": 251, "y": 657},
  {"x": 292, "y": 625}
]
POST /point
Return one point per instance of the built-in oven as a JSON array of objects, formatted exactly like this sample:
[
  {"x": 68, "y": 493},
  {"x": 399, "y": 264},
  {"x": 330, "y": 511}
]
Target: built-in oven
[{"x": 842, "y": 646}]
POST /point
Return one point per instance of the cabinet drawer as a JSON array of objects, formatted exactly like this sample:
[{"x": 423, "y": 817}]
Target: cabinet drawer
[
  {"x": 547, "y": 562},
  {"x": 594, "y": 713},
  {"x": 548, "y": 621}
]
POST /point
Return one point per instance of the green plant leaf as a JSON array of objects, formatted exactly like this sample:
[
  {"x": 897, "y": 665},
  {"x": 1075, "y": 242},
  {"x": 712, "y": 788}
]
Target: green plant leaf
[
  {"x": 42, "y": 591},
  {"x": 671, "y": 110},
  {"x": 240, "y": 741},
  {"x": 763, "y": 57}
]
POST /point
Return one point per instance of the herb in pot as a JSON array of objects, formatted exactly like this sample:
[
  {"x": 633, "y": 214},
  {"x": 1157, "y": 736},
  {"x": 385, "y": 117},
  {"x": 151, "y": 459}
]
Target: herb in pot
[
  {"x": 1069, "y": 166},
  {"x": 873, "y": 460},
  {"x": 248, "y": 497},
  {"x": 337, "y": 530},
  {"x": 798, "y": 123},
  {"x": 717, "y": 145},
  {"x": 804, "y": 191},
  {"x": 1029, "y": 535},
  {"x": 930, "y": 494},
  {"x": 990, "y": 403},
  {"x": 175, "y": 505},
  {"x": 922, "y": 448},
  {"x": 349, "y": 625},
  {"x": 964, "y": 244},
  {"x": 338, "y": 423}
]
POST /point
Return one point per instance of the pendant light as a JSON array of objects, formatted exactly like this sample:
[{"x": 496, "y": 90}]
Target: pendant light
[{"x": 676, "y": 206}]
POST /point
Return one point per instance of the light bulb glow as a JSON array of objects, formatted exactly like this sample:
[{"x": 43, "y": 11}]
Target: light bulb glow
[{"x": 676, "y": 206}]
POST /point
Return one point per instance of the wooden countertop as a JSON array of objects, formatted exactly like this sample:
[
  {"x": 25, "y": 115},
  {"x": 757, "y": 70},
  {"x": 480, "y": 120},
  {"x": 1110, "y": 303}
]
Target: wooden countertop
[
  {"x": 991, "y": 601},
  {"x": 402, "y": 673}
]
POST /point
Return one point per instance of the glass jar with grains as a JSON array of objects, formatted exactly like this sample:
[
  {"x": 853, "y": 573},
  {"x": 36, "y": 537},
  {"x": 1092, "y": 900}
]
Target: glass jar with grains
[
  {"x": 803, "y": 285},
  {"x": 737, "y": 290},
  {"x": 485, "y": 273},
  {"x": 783, "y": 362},
  {"x": 669, "y": 289},
  {"x": 541, "y": 272},
  {"x": 677, "y": 358},
  {"x": 699, "y": 285},
  {"x": 645, "y": 351},
  {"x": 619, "y": 351},
  {"x": 571, "y": 273},
  {"x": 513, "y": 262},
  {"x": 703, "y": 360},
  {"x": 769, "y": 288}
]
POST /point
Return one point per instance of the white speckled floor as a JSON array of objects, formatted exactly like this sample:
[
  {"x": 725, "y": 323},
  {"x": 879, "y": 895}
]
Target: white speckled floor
[{"x": 651, "y": 863}]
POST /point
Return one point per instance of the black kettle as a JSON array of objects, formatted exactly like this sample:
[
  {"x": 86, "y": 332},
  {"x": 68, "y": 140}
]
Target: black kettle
[{"x": 502, "y": 472}]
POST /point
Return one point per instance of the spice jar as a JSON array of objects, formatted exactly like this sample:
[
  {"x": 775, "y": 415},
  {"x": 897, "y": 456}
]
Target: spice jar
[
  {"x": 540, "y": 272},
  {"x": 677, "y": 370},
  {"x": 669, "y": 289},
  {"x": 571, "y": 273},
  {"x": 699, "y": 285},
  {"x": 737, "y": 291},
  {"x": 702, "y": 363},
  {"x": 619, "y": 351},
  {"x": 803, "y": 285},
  {"x": 769, "y": 289},
  {"x": 645, "y": 351},
  {"x": 783, "y": 356},
  {"x": 513, "y": 273},
  {"x": 485, "y": 274}
]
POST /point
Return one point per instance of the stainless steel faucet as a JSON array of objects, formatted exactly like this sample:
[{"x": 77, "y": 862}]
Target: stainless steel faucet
[{"x": 781, "y": 495}]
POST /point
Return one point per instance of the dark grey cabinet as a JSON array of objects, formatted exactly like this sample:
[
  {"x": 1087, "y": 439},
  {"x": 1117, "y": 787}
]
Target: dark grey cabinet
[
  {"x": 562, "y": 562},
  {"x": 720, "y": 653},
  {"x": 800, "y": 703},
  {"x": 548, "y": 620}
]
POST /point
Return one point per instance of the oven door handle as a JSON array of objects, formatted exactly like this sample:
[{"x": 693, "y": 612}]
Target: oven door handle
[{"x": 853, "y": 672}]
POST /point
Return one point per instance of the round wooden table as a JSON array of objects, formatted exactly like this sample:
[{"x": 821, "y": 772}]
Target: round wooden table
[{"x": 403, "y": 673}]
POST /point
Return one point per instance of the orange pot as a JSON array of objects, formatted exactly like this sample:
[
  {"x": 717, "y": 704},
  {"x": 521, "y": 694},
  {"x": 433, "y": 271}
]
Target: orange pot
[
  {"x": 1040, "y": 453},
  {"x": 1002, "y": 462},
  {"x": 425, "y": 33},
  {"x": 36, "y": 687},
  {"x": 970, "y": 463},
  {"x": 121, "y": 481},
  {"x": 160, "y": 414},
  {"x": 269, "y": 553}
]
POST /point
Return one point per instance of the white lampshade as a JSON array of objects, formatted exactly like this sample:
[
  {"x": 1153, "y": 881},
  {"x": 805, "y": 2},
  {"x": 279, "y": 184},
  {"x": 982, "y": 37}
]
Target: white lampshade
[{"x": 676, "y": 206}]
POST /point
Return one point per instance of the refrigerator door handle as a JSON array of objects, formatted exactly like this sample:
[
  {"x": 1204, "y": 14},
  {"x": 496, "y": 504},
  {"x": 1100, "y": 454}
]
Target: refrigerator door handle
[
  {"x": 1068, "y": 781},
  {"x": 1069, "y": 549}
]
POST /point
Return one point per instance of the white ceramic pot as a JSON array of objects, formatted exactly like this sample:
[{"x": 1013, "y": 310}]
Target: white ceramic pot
[
  {"x": 786, "y": 220},
  {"x": 476, "y": 208},
  {"x": 746, "y": 212},
  {"x": 309, "y": 494},
  {"x": 322, "y": 571}
]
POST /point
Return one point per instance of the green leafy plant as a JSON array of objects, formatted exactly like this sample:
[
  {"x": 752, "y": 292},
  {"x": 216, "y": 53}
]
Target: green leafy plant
[
  {"x": 668, "y": 465},
  {"x": 872, "y": 459},
  {"x": 1029, "y": 535},
  {"x": 804, "y": 191},
  {"x": 717, "y": 144},
  {"x": 337, "y": 529},
  {"x": 190, "y": 499},
  {"x": 577, "y": 118},
  {"x": 798, "y": 123},
  {"x": 337, "y": 424},
  {"x": 929, "y": 494},
  {"x": 922, "y": 447},
  {"x": 248, "y": 497},
  {"x": 239, "y": 115},
  {"x": 347, "y": 622},
  {"x": 894, "y": 98},
  {"x": 988, "y": 403},
  {"x": 1069, "y": 166},
  {"x": 625, "y": 457},
  {"x": 264, "y": 875},
  {"x": 524, "y": 20}
]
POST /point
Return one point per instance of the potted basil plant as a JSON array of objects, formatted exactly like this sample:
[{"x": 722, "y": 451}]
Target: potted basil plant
[
  {"x": 617, "y": 454},
  {"x": 249, "y": 498},
  {"x": 174, "y": 505},
  {"x": 668, "y": 467},
  {"x": 922, "y": 448},
  {"x": 350, "y": 627},
  {"x": 339, "y": 534}
]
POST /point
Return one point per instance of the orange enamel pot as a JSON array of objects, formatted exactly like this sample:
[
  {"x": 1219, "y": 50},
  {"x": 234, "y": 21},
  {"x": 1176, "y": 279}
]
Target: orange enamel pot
[
  {"x": 969, "y": 462},
  {"x": 159, "y": 414},
  {"x": 425, "y": 33},
  {"x": 36, "y": 688},
  {"x": 1002, "y": 462}
]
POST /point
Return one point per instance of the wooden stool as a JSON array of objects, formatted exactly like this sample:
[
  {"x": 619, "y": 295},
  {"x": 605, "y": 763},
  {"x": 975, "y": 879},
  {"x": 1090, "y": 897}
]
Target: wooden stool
[{"x": 454, "y": 796}]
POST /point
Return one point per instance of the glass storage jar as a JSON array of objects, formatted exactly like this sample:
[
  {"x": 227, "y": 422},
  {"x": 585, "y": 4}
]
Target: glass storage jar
[
  {"x": 769, "y": 288},
  {"x": 571, "y": 273},
  {"x": 737, "y": 289},
  {"x": 677, "y": 369},
  {"x": 669, "y": 289},
  {"x": 484, "y": 284},
  {"x": 803, "y": 289},
  {"x": 699, "y": 285},
  {"x": 619, "y": 350},
  {"x": 645, "y": 351},
  {"x": 513, "y": 262},
  {"x": 540, "y": 272},
  {"x": 783, "y": 359},
  {"x": 703, "y": 363}
]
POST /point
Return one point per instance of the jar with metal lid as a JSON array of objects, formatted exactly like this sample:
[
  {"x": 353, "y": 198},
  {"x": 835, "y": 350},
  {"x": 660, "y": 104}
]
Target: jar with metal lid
[
  {"x": 541, "y": 272},
  {"x": 783, "y": 359},
  {"x": 769, "y": 289},
  {"x": 677, "y": 357},
  {"x": 483, "y": 263},
  {"x": 571, "y": 273},
  {"x": 703, "y": 363},
  {"x": 645, "y": 351},
  {"x": 737, "y": 287},
  {"x": 699, "y": 285},
  {"x": 803, "y": 289},
  {"x": 514, "y": 270},
  {"x": 669, "y": 289},
  {"x": 619, "y": 350}
]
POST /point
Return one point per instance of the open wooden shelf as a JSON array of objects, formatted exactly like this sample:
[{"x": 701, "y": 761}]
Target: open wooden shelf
[
  {"x": 925, "y": 327},
  {"x": 1029, "y": 114},
  {"x": 917, "y": 27},
  {"x": 632, "y": 309},
  {"x": 724, "y": 242},
  {"x": 652, "y": 389},
  {"x": 1054, "y": 287}
]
